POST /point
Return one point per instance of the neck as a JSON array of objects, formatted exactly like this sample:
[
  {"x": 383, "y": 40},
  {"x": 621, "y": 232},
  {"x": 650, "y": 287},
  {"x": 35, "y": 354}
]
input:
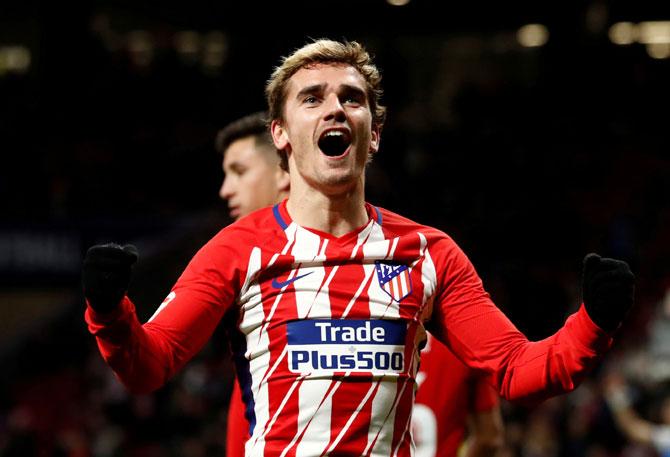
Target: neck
[{"x": 334, "y": 214}]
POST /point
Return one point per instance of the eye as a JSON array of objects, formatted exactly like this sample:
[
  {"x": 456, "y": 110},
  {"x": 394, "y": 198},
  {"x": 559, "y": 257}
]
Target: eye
[
  {"x": 353, "y": 99},
  {"x": 237, "y": 171},
  {"x": 310, "y": 100}
]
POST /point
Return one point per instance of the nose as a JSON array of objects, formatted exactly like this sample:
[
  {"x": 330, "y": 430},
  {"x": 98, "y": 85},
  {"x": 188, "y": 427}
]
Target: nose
[
  {"x": 226, "y": 190},
  {"x": 334, "y": 109}
]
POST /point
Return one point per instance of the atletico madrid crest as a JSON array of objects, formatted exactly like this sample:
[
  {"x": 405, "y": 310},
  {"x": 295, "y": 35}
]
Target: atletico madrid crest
[{"x": 394, "y": 279}]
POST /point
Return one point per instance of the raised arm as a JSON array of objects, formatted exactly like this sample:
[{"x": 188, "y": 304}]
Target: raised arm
[
  {"x": 145, "y": 356},
  {"x": 466, "y": 319}
]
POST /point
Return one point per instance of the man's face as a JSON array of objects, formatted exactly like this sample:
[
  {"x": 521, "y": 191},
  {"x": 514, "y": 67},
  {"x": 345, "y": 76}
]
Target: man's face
[
  {"x": 252, "y": 180},
  {"x": 327, "y": 128}
]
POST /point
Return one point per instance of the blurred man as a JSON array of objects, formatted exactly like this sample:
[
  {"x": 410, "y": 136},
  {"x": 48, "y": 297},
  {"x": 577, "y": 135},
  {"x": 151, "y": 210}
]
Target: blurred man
[
  {"x": 335, "y": 295},
  {"x": 253, "y": 178},
  {"x": 449, "y": 393},
  {"x": 634, "y": 427}
]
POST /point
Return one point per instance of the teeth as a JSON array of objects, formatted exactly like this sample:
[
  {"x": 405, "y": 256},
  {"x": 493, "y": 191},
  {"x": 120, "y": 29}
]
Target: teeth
[{"x": 334, "y": 133}]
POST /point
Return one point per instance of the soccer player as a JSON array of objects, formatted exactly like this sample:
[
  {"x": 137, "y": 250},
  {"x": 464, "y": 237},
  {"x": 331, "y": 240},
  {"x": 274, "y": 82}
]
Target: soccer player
[
  {"x": 253, "y": 180},
  {"x": 335, "y": 295}
]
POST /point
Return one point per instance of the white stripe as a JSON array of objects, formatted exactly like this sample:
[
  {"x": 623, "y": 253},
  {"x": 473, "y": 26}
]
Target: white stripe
[
  {"x": 383, "y": 444},
  {"x": 382, "y": 408},
  {"x": 258, "y": 355},
  {"x": 403, "y": 283},
  {"x": 167, "y": 300},
  {"x": 383, "y": 414},
  {"x": 393, "y": 246},
  {"x": 317, "y": 425},
  {"x": 310, "y": 299},
  {"x": 396, "y": 288},
  {"x": 267, "y": 376}
]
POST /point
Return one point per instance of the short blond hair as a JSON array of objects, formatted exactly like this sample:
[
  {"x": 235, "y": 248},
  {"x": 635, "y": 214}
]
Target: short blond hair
[{"x": 326, "y": 52}]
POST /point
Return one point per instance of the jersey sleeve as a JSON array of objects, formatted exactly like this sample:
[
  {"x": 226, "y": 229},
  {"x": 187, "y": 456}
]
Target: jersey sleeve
[
  {"x": 466, "y": 320},
  {"x": 145, "y": 356}
]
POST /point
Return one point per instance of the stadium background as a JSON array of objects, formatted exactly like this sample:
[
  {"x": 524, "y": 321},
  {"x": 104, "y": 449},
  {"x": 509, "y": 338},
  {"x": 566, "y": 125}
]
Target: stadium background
[{"x": 531, "y": 146}]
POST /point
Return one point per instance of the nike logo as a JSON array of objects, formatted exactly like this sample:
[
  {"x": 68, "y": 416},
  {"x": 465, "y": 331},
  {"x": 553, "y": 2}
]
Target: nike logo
[{"x": 281, "y": 284}]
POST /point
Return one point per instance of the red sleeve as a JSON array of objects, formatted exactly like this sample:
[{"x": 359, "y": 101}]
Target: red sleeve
[
  {"x": 237, "y": 429},
  {"x": 145, "y": 356},
  {"x": 479, "y": 333}
]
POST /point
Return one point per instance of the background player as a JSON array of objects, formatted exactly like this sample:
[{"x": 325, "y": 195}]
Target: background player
[
  {"x": 253, "y": 178},
  {"x": 449, "y": 393},
  {"x": 454, "y": 402}
]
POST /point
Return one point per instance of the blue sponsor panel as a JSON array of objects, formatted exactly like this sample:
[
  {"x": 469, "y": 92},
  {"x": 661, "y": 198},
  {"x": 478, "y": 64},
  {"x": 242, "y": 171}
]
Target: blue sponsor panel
[{"x": 346, "y": 345}]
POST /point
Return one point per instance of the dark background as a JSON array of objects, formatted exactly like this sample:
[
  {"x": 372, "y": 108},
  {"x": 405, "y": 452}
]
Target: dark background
[{"x": 528, "y": 157}]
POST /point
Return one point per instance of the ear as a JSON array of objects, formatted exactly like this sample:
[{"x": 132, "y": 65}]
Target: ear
[
  {"x": 375, "y": 139},
  {"x": 279, "y": 136}
]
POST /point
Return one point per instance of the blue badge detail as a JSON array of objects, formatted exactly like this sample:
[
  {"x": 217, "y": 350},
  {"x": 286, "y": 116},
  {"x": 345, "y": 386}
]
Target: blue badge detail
[
  {"x": 354, "y": 345},
  {"x": 394, "y": 279},
  {"x": 281, "y": 284}
]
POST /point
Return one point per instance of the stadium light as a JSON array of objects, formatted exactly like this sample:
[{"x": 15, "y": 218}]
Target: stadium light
[
  {"x": 141, "y": 47},
  {"x": 623, "y": 33},
  {"x": 188, "y": 44},
  {"x": 658, "y": 50},
  {"x": 654, "y": 32},
  {"x": 532, "y": 35},
  {"x": 398, "y": 2},
  {"x": 14, "y": 59}
]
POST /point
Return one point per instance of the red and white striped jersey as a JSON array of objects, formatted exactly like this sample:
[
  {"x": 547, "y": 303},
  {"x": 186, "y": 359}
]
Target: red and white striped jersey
[{"x": 330, "y": 329}]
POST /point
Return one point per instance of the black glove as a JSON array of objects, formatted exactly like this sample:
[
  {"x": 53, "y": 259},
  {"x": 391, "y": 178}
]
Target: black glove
[
  {"x": 106, "y": 274},
  {"x": 608, "y": 287}
]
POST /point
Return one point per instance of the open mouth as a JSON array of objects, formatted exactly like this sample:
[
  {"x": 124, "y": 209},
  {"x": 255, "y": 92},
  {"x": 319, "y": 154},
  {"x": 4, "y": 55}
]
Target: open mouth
[{"x": 334, "y": 143}]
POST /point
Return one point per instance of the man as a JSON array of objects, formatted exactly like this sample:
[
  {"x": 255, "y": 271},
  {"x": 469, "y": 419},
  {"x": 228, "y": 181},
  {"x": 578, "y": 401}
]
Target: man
[
  {"x": 335, "y": 295},
  {"x": 444, "y": 403},
  {"x": 253, "y": 178}
]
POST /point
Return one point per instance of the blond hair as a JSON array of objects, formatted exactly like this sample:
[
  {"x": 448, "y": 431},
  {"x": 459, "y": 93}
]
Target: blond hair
[{"x": 327, "y": 52}]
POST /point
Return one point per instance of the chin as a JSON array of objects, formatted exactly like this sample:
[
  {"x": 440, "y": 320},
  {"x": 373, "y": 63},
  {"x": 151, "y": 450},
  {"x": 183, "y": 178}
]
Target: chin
[{"x": 339, "y": 183}]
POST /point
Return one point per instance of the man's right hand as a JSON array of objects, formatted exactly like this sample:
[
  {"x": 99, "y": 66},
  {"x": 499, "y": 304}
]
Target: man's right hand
[{"x": 106, "y": 275}]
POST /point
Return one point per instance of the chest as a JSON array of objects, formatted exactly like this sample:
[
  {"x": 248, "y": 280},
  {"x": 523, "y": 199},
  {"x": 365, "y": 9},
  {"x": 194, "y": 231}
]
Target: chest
[{"x": 370, "y": 277}]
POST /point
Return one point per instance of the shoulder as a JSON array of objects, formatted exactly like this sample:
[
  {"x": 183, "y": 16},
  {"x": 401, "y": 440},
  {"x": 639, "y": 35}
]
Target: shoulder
[
  {"x": 439, "y": 246},
  {"x": 397, "y": 225},
  {"x": 257, "y": 229}
]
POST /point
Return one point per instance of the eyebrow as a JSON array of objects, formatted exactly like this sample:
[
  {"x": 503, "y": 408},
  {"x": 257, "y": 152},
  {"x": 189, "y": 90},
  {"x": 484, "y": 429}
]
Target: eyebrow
[
  {"x": 355, "y": 90},
  {"x": 313, "y": 89},
  {"x": 234, "y": 166},
  {"x": 316, "y": 88}
]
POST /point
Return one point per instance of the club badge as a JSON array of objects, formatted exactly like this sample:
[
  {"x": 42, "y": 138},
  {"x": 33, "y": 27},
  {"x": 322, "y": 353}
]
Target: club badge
[{"x": 394, "y": 279}]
